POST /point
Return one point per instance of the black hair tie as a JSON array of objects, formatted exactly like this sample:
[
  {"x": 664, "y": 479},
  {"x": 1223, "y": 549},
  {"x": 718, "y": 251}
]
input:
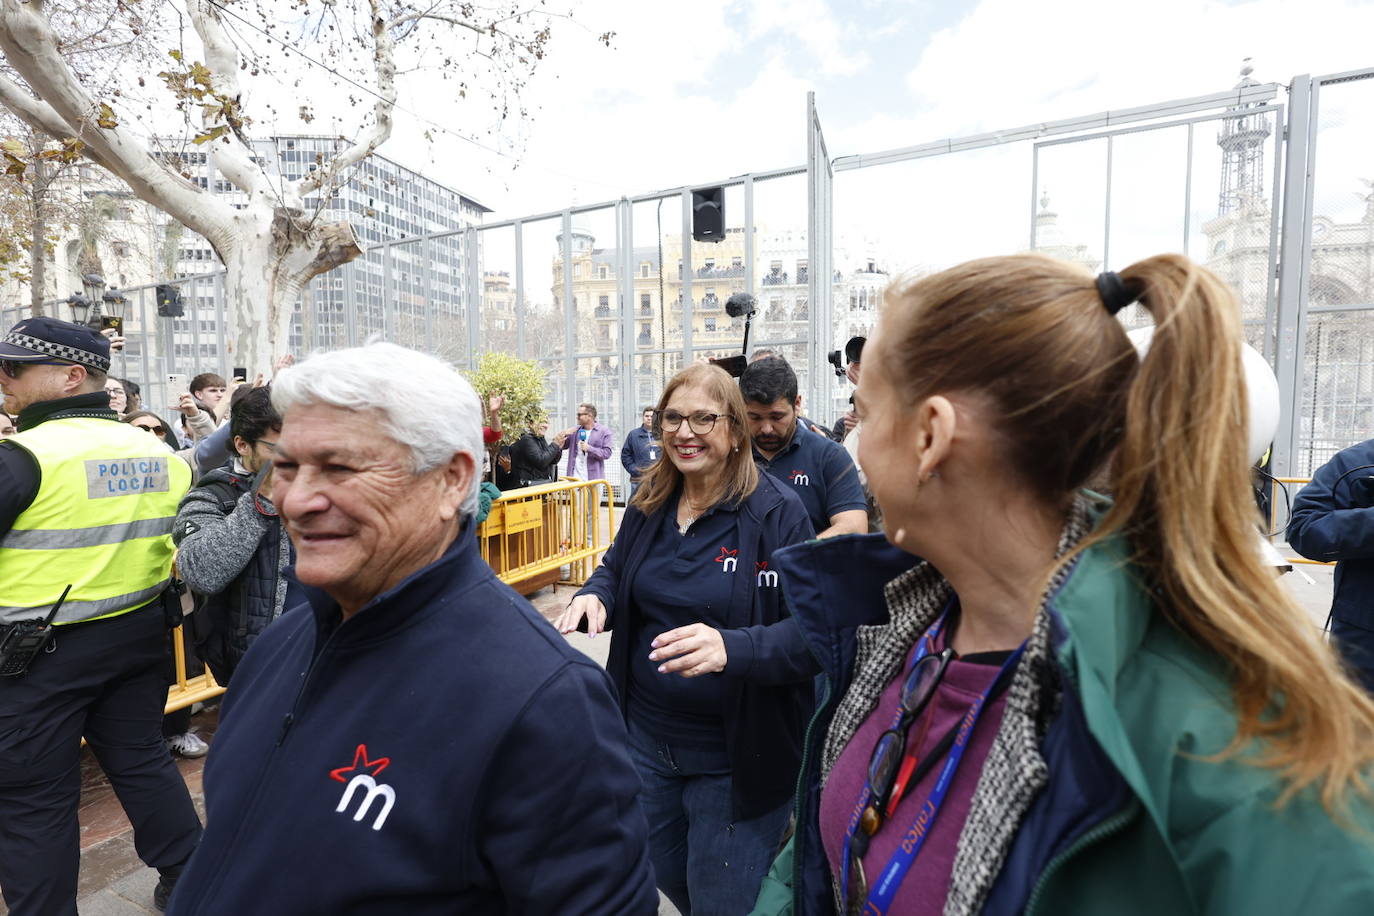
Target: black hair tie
[{"x": 1115, "y": 295}]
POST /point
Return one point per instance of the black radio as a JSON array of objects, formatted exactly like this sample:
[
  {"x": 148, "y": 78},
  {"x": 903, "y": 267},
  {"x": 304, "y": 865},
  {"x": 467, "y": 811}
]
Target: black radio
[{"x": 21, "y": 642}]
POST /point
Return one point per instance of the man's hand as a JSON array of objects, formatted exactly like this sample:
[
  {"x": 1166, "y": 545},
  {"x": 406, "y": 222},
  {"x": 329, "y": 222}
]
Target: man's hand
[
  {"x": 582, "y": 445},
  {"x": 691, "y": 651},
  {"x": 588, "y": 606},
  {"x": 504, "y": 462},
  {"x": 280, "y": 363},
  {"x": 187, "y": 405},
  {"x": 495, "y": 403},
  {"x": 116, "y": 341},
  {"x": 851, "y": 420}
]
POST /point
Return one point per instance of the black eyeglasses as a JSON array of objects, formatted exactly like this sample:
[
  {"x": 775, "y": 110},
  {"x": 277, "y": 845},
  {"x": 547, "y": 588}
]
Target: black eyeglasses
[
  {"x": 887, "y": 754},
  {"x": 12, "y": 367},
  {"x": 156, "y": 430},
  {"x": 701, "y": 423}
]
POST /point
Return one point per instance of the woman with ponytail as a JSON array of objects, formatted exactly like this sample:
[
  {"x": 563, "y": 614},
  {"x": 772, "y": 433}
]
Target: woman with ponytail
[{"x": 1038, "y": 699}]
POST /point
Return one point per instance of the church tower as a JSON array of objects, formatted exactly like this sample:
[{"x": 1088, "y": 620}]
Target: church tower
[{"x": 1242, "y": 140}]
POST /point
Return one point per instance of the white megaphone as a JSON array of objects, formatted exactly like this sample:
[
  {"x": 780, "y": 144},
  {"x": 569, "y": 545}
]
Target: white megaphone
[
  {"x": 1262, "y": 394},
  {"x": 1261, "y": 387}
]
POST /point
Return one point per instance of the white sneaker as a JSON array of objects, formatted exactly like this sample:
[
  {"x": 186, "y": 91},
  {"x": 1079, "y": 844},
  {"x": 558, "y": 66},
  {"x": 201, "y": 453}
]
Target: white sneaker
[{"x": 187, "y": 745}]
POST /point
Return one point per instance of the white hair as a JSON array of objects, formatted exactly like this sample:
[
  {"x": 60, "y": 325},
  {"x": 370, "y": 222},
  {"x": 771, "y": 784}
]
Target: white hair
[{"x": 422, "y": 402}]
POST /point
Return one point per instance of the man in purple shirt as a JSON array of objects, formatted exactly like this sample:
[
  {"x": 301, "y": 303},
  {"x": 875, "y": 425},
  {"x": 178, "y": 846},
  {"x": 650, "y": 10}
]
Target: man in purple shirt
[{"x": 588, "y": 445}]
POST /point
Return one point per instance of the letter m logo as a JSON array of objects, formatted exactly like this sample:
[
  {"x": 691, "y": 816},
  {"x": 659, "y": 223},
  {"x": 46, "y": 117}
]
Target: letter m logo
[
  {"x": 800, "y": 478},
  {"x": 371, "y": 792}
]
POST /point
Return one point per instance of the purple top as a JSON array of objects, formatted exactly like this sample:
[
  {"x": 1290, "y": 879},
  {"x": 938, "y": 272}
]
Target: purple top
[
  {"x": 598, "y": 450},
  {"x": 927, "y": 884}
]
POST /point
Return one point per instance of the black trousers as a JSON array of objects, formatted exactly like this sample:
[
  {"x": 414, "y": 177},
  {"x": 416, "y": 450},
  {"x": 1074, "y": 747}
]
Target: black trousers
[{"x": 105, "y": 681}]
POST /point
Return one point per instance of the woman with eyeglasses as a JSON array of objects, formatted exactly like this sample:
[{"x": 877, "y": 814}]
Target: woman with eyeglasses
[
  {"x": 1040, "y": 700},
  {"x": 119, "y": 398},
  {"x": 712, "y": 675}
]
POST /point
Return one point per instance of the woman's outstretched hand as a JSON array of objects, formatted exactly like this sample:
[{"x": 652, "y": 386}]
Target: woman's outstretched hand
[{"x": 690, "y": 651}]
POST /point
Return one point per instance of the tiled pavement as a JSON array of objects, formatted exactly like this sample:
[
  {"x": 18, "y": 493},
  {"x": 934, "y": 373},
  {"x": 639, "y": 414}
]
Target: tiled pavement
[{"x": 115, "y": 883}]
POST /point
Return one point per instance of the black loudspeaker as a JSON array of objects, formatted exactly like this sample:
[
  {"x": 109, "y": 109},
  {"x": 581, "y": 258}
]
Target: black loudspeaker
[
  {"x": 169, "y": 301},
  {"x": 708, "y": 214}
]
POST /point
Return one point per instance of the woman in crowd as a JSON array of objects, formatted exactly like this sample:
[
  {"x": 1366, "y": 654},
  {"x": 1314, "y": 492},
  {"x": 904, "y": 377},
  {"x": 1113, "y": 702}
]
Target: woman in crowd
[
  {"x": 1070, "y": 704},
  {"x": 534, "y": 459},
  {"x": 119, "y": 397},
  {"x": 715, "y": 681}
]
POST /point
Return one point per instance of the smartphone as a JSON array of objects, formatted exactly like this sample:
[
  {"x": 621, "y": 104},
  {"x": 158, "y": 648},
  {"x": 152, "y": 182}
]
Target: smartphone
[
  {"x": 112, "y": 321},
  {"x": 177, "y": 385},
  {"x": 241, "y": 373}
]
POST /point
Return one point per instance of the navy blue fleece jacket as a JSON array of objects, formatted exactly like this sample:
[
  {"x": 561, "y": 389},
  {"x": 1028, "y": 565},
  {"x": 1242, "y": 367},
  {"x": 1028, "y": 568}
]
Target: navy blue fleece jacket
[
  {"x": 441, "y": 751},
  {"x": 768, "y": 668}
]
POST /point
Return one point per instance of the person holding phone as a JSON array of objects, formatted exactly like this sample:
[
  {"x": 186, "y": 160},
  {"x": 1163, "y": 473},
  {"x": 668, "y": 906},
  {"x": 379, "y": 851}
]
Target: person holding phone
[{"x": 232, "y": 545}]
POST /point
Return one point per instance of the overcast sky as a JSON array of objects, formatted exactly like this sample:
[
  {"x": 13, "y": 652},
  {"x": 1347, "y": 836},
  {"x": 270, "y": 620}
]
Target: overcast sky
[{"x": 694, "y": 92}]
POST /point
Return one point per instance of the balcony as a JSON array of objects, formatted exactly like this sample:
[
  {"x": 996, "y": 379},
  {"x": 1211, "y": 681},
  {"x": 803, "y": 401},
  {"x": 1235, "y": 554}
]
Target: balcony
[{"x": 603, "y": 311}]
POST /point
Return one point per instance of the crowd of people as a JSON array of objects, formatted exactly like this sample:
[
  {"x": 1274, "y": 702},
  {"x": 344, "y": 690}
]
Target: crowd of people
[{"x": 1001, "y": 641}]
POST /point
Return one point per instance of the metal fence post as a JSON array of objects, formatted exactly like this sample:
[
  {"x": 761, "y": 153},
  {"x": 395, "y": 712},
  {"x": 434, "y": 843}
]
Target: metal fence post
[
  {"x": 1294, "y": 257},
  {"x": 569, "y": 319},
  {"x": 520, "y": 347}
]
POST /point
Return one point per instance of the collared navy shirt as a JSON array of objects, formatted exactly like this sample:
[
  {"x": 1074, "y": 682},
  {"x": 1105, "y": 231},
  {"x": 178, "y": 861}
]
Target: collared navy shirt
[
  {"x": 686, "y": 578},
  {"x": 820, "y": 472}
]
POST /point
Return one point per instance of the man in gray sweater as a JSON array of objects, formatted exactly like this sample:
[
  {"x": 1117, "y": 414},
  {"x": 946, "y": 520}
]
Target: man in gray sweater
[{"x": 232, "y": 545}]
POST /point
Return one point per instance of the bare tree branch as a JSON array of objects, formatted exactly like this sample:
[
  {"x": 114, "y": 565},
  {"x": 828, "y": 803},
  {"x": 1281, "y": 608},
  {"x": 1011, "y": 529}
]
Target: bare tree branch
[
  {"x": 31, "y": 48},
  {"x": 38, "y": 114},
  {"x": 222, "y": 57},
  {"x": 330, "y": 174}
]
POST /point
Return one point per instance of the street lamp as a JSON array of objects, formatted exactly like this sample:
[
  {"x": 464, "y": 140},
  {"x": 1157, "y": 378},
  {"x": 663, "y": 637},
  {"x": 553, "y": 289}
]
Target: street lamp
[{"x": 80, "y": 307}]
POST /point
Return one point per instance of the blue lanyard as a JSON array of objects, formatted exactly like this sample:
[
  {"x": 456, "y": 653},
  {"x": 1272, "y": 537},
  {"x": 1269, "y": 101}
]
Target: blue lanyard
[{"x": 884, "y": 890}]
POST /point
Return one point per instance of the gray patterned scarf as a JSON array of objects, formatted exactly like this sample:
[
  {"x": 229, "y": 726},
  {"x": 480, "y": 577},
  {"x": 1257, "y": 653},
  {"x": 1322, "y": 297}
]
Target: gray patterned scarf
[{"x": 1014, "y": 770}]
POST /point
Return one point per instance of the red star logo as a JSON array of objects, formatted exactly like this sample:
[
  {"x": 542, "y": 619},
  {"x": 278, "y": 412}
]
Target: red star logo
[
  {"x": 795, "y": 474},
  {"x": 361, "y": 763},
  {"x": 726, "y": 552},
  {"x": 761, "y": 565}
]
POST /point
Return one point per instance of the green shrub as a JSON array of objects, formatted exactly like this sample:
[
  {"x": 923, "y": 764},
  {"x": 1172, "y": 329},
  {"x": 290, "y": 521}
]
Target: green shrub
[{"x": 522, "y": 383}]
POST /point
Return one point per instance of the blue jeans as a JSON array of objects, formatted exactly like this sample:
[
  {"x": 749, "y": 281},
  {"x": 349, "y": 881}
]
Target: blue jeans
[{"x": 705, "y": 862}]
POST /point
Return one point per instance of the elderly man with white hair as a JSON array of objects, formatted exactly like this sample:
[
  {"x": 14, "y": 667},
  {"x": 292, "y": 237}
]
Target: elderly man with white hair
[{"x": 415, "y": 739}]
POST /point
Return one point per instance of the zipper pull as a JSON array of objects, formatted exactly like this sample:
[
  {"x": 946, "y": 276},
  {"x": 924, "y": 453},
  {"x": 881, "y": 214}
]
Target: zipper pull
[{"x": 285, "y": 727}]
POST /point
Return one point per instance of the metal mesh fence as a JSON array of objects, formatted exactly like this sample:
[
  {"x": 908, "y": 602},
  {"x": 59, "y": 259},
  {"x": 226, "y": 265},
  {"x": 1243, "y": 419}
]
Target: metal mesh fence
[
  {"x": 1337, "y": 394},
  {"x": 611, "y": 300}
]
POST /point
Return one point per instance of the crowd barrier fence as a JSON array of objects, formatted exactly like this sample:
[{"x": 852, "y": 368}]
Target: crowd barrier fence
[{"x": 533, "y": 537}]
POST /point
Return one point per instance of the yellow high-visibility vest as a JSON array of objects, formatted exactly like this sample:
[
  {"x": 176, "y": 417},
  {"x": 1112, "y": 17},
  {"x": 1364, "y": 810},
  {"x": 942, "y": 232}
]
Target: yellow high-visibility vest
[{"x": 101, "y": 522}]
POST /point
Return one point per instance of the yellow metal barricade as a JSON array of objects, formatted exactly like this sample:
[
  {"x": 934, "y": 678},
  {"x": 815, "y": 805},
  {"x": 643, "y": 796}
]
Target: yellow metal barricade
[
  {"x": 187, "y": 690},
  {"x": 534, "y": 536},
  {"x": 552, "y": 532}
]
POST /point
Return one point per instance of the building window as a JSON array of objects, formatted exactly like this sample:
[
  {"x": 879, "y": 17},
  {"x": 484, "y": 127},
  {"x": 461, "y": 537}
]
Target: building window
[
  {"x": 710, "y": 324},
  {"x": 644, "y": 269},
  {"x": 601, "y": 272},
  {"x": 644, "y": 303},
  {"x": 802, "y": 272}
]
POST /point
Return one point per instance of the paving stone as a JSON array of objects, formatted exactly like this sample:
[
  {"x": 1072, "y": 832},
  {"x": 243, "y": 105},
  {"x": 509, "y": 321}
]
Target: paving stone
[
  {"x": 137, "y": 886},
  {"x": 108, "y": 903}
]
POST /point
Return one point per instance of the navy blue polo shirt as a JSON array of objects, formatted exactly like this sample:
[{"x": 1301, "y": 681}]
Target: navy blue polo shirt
[
  {"x": 685, "y": 579},
  {"x": 820, "y": 472}
]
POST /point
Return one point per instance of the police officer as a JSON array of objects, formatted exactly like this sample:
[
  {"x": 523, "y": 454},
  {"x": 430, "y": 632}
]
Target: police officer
[{"x": 89, "y": 502}]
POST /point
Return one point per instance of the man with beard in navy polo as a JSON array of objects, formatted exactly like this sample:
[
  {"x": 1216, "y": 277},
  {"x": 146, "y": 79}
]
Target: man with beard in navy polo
[{"x": 814, "y": 467}]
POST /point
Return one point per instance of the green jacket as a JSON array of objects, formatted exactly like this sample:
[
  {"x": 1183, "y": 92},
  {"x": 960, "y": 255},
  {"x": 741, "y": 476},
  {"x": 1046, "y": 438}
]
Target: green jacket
[{"x": 1143, "y": 706}]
